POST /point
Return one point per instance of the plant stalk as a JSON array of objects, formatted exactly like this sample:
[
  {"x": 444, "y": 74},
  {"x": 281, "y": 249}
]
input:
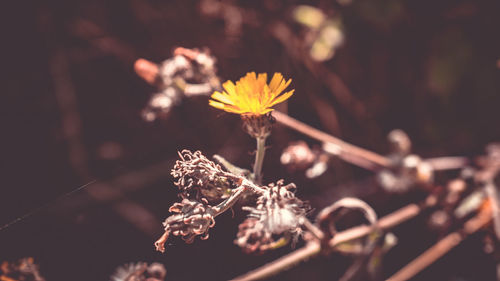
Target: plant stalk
[{"x": 259, "y": 159}]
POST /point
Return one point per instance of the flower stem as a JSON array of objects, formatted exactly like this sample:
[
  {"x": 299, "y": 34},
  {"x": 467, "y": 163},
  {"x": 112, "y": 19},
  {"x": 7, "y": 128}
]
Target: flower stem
[
  {"x": 229, "y": 202},
  {"x": 259, "y": 159}
]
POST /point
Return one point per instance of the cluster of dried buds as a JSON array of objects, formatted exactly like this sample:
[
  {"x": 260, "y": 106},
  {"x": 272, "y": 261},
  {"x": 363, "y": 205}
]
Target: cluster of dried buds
[
  {"x": 474, "y": 189},
  {"x": 190, "y": 72},
  {"x": 24, "y": 269},
  {"x": 196, "y": 174},
  {"x": 140, "y": 271},
  {"x": 207, "y": 191}
]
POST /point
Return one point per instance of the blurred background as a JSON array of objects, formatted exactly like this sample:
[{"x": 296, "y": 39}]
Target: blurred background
[{"x": 71, "y": 115}]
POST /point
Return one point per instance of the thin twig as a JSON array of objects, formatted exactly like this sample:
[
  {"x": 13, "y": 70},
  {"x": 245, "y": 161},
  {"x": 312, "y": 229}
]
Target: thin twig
[
  {"x": 448, "y": 163},
  {"x": 315, "y": 231},
  {"x": 313, "y": 248},
  {"x": 357, "y": 155},
  {"x": 442, "y": 247},
  {"x": 348, "y": 152},
  {"x": 229, "y": 202},
  {"x": 310, "y": 250}
]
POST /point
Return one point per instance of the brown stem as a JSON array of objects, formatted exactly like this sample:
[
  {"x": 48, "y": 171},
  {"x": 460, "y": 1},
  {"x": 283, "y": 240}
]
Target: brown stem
[
  {"x": 357, "y": 155},
  {"x": 313, "y": 248},
  {"x": 442, "y": 247},
  {"x": 229, "y": 202},
  {"x": 310, "y": 250},
  {"x": 315, "y": 231},
  {"x": 348, "y": 152},
  {"x": 447, "y": 163}
]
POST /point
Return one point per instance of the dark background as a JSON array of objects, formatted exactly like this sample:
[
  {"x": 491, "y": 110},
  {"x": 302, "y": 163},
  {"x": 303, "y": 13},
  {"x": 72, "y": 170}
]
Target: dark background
[{"x": 71, "y": 106}]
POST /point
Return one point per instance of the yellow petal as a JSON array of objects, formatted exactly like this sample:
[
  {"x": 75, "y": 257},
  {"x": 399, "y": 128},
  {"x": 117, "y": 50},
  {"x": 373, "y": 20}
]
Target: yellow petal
[
  {"x": 282, "y": 98},
  {"x": 251, "y": 94},
  {"x": 283, "y": 86},
  {"x": 222, "y": 98},
  {"x": 276, "y": 81},
  {"x": 216, "y": 104},
  {"x": 229, "y": 87}
]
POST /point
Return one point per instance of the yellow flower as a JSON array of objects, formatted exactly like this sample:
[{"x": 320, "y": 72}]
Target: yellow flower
[{"x": 251, "y": 95}]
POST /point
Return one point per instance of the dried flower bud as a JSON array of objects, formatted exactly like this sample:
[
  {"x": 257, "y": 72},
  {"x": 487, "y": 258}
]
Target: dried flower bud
[
  {"x": 298, "y": 156},
  {"x": 140, "y": 272},
  {"x": 392, "y": 182},
  {"x": 190, "y": 218},
  {"x": 161, "y": 103},
  {"x": 24, "y": 269},
  {"x": 278, "y": 212},
  {"x": 195, "y": 172},
  {"x": 407, "y": 173},
  {"x": 258, "y": 126},
  {"x": 399, "y": 141},
  {"x": 252, "y": 236},
  {"x": 195, "y": 219},
  {"x": 157, "y": 271},
  {"x": 190, "y": 72},
  {"x": 439, "y": 220}
]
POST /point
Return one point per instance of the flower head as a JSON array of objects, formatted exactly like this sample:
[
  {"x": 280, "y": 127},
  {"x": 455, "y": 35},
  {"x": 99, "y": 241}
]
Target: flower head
[
  {"x": 190, "y": 218},
  {"x": 251, "y": 95},
  {"x": 277, "y": 215},
  {"x": 196, "y": 174}
]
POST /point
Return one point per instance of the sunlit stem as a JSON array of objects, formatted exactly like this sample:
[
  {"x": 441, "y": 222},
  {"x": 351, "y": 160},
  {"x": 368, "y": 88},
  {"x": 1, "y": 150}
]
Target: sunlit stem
[{"x": 259, "y": 159}]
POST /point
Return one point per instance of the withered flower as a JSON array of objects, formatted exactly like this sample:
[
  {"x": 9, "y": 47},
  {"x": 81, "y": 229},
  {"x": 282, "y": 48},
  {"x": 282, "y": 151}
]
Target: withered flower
[
  {"x": 140, "y": 271},
  {"x": 24, "y": 269},
  {"x": 278, "y": 213},
  {"x": 298, "y": 156},
  {"x": 196, "y": 173},
  {"x": 190, "y": 72},
  {"x": 190, "y": 218}
]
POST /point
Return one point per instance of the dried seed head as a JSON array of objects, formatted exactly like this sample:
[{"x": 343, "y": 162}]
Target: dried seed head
[
  {"x": 140, "y": 271},
  {"x": 200, "y": 176},
  {"x": 192, "y": 218},
  {"x": 190, "y": 72},
  {"x": 129, "y": 272},
  {"x": 278, "y": 212},
  {"x": 252, "y": 236},
  {"x": 22, "y": 269}
]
